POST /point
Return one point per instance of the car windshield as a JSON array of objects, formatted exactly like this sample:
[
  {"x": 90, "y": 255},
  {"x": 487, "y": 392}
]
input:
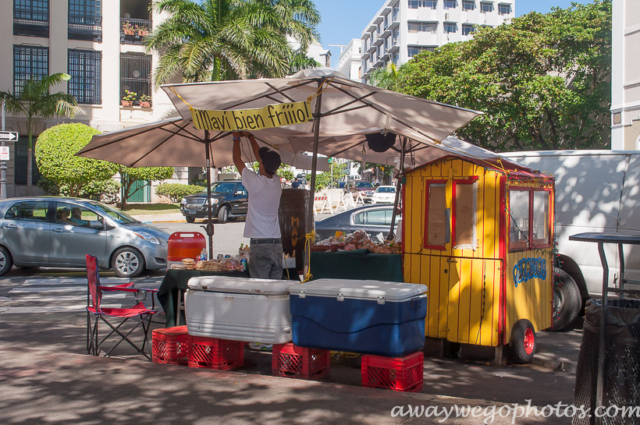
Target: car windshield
[
  {"x": 113, "y": 213},
  {"x": 386, "y": 189},
  {"x": 223, "y": 187},
  {"x": 364, "y": 185}
]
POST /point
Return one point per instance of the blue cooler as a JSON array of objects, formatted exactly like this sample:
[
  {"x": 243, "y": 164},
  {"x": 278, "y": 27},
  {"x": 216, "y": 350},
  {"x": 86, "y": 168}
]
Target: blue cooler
[{"x": 361, "y": 316}]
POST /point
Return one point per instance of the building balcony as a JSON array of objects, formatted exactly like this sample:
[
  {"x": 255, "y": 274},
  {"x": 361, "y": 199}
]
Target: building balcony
[
  {"x": 385, "y": 57},
  {"x": 371, "y": 49},
  {"x": 85, "y": 27},
  {"x": 378, "y": 42},
  {"x": 387, "y": 32},
  {"x": 133, "y": 30},
  {"x": 30, "y": 23},
  {"x": 379, "y": 63},
  {"x": 395, "y": 46},
  {"x": 366, "y": 55}
]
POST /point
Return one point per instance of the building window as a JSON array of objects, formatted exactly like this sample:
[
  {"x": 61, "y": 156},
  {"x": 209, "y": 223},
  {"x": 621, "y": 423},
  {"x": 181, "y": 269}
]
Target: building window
[
  {"x": 395, "y": 14},
  {"x": 422, "y": 27},
  {"x": 504, "y": 9},
  {"x": 467, "y": 29},
  {"x": 468, "y": 5},
  {"x": 429, "y": 4},
  {"x": 85, "y": 20},
  {"x": 486, "y": 7},
  {"x": 449, "y": 28},
  {"x": 31, "y": 17},
  {"x": 135, "y": 74},
  {"x": 85, "y": 68},
  {"x": 29, "y": 62},
  {"x": 450, "y": 4},
  {"x": 414, "y": 50},
  {"x": 20, "y": 170}
]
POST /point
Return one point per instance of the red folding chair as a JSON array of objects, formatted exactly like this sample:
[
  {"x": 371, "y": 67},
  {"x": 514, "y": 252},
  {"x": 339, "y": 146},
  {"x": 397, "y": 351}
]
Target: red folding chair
[{"x": 138, "y": 311}]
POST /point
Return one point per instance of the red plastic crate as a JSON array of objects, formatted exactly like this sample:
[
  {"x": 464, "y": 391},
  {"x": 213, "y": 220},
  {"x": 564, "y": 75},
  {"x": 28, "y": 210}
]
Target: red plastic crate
[
  {"x": 397, "y": 374},
  {"x": 215, "y": 353},
  {"x": 291, "y": 361},
  {"x": 170, "y": 345}
]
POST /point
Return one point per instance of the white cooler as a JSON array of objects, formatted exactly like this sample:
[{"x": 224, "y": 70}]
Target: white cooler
[{"x": 239, "y": 309}]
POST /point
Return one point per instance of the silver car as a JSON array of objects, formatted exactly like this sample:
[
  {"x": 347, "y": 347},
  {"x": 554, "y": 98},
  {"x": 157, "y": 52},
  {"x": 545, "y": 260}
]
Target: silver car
[{"x": 59, "y": 232}]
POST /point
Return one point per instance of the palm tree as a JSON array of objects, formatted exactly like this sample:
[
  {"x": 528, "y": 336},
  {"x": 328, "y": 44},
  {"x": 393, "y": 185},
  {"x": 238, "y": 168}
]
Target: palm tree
[
  {"x": 36, "y": 101},
  {"x": 389, "y": 78},
  {"x": 212, "y": 40}
]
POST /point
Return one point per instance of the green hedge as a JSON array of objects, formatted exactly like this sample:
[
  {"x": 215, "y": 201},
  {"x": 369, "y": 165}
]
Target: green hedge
[{"x": 176, "y": 191}]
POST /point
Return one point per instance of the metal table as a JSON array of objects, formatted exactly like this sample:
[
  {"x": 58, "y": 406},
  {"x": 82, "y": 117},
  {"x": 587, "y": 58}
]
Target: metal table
[{"x": 601, "y": 239}]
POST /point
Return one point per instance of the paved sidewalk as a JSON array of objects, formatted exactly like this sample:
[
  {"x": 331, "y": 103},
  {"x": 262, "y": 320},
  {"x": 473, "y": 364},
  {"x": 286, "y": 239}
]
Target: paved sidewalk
[{"x": 46, "y": 378}]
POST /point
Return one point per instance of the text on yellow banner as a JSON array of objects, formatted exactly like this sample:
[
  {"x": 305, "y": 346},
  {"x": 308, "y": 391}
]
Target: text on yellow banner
[{"x": 252, "y": 119}]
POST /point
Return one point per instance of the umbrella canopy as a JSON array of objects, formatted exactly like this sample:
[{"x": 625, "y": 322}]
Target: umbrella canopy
[
  {"x": 344, "y": 113},
  {"x": 349, "y": 110}
]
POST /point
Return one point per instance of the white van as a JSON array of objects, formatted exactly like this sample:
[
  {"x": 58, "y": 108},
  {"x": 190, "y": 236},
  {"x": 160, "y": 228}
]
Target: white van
[{"x": 596, "y": 191}]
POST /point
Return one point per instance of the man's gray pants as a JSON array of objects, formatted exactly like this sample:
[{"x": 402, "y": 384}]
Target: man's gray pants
[{"x": 265, "y": 260}]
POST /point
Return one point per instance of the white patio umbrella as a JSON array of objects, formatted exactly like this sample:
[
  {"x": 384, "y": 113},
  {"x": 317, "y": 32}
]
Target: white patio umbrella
[{"x": 344, "y": 113}]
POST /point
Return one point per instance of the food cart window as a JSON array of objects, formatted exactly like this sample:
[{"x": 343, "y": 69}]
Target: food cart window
[
  {"x": 465, "y": 216},
  {"x": 518, "y": 218},
  {"x": 437, "y": 216},
  {"x": 541, "y": 217}
]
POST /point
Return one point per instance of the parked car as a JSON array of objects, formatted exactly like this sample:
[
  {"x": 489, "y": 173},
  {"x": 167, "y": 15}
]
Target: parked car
[
  {"x": 59, "y": 232},
  {"x": 364, "y": 187},
  {"x": 384, "y": 194},
  {"x": 373, "y": 219},
  {"x": 229, "y": 201}
]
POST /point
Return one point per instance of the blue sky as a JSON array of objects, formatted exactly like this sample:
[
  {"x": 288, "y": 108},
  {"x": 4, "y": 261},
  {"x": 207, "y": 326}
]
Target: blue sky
[{"x": 343, "y": 20}]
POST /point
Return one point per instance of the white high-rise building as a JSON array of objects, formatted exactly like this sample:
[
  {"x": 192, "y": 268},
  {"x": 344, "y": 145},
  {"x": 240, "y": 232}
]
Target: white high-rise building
[
  {"x": 403, "y": 28},
  {"x": 625, "y": 76}
]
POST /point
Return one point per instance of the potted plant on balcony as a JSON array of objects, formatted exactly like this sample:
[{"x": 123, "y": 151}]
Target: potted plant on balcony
[
  {"x": 129, "y": 97},
  {"x": 128, "y": 29},
  {"x": 145, "y": 101},
  {"x": 143, "y": 31}
]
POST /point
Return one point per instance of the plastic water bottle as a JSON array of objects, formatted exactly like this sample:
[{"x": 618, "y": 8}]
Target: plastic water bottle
[
  {"x": 203, "y": 254},
  {"x": 244, "y": 264}
]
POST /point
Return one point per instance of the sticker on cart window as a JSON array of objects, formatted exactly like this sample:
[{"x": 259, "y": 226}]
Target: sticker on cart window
[{"x": 529, "y": 268}]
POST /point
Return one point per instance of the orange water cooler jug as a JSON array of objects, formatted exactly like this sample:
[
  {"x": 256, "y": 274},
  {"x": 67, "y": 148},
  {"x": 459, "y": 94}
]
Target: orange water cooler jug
[{"x": 184, "y": 245}]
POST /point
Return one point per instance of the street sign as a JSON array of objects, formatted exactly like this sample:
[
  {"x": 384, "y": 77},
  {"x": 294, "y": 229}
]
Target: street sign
[
  {"x": 9, "y": 135},
  {"x": 4, "y": 153}
]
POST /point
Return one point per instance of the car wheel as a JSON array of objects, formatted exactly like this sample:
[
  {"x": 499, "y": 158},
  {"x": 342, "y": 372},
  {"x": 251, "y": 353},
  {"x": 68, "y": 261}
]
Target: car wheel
[
  {"x": 127, "y": 262},
  {"x": 223, "y": 214},
  {"x": 567, "y": 301},
  {"x": 6, "y": 262},
  {"x": 190, "y": 219},
  {"x": 523, "y": 342}
]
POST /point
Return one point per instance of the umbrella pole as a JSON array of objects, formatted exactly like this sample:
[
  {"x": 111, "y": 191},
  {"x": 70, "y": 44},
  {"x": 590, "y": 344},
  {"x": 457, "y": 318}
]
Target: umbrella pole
[
  {"x": 209, "y": 228},
  {"x": 398, "y": 184},
  {"x": 314, "y": 167}
]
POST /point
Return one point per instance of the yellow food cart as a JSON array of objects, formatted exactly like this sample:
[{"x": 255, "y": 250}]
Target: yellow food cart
[{"x": 479, "y": 234}]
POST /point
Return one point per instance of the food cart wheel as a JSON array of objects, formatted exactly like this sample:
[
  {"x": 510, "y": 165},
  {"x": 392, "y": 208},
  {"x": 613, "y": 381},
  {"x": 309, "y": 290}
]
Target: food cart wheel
[
  {"x": 523, "y": 342},
  {"x": 567, "y": 301}
]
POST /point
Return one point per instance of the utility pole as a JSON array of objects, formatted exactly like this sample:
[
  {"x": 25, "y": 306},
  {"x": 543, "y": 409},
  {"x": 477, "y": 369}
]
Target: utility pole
[{"x": 3, "y": 164}]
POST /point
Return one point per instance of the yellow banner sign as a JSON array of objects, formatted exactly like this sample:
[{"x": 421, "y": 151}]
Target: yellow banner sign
[{"x": 252, "y": 119}]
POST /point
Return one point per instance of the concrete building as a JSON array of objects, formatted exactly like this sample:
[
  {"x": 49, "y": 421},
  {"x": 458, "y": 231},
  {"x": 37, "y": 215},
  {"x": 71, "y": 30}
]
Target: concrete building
[
  {"x": 351, "y": 59},
  {"x": 625, "y": 76},
  {"x": 403, "y": 28},
  {"x": 99, "y": 44}
]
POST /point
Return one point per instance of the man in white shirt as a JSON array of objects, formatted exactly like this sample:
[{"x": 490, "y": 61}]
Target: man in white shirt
[{"x": 262, "y": 225}]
